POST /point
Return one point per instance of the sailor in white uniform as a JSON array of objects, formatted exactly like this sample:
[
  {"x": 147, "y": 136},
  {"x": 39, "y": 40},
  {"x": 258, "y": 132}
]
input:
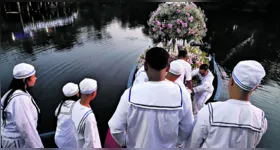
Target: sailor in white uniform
[
  {"x": 186, "y": 76},
  {"x": 19, "y": 112},
  {"x": 85, "y": 125},
  {"x": 64, "y": 135},
  {"x": 235, "y": 123},
  {"x": 154, "y": 114},
  {"x": 140, "y": 76},
  {"x": 205, "y": 90},
  {"x": 175, "y": 71}
]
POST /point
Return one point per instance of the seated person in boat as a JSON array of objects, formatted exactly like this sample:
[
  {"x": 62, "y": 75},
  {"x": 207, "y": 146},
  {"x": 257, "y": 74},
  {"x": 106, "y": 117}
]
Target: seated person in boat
[
  {"x": 64, "y": 136},
  {"x": 235, "y": 123},
  {"x": 85, "y": 126},
  {"x": 154, "y": 114},
  {"x": 205, "y": 90},
  {"x": 140, "y": 76},
  {"x": 186, "y": 76}
]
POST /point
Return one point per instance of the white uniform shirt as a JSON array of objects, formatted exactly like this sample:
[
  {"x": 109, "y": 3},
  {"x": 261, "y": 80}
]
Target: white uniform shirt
[
  {"x": 152, "y": 115},
  {"x": 64, "y": 135},
  {"x": 187, "y": 71},
  {"x": 85, "y": 127},
  {"x": 178, "y": 82},
  {"x": 21, "y": 120},
  {"x": 229, "y": 124},
  {"x": 206, "y": 82},
  {"x": 141, "y": 76}
]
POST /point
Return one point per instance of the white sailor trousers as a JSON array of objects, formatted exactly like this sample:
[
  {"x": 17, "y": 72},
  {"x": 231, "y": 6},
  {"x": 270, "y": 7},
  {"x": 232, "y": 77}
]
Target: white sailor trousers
[{"x": 199, "y": 101}]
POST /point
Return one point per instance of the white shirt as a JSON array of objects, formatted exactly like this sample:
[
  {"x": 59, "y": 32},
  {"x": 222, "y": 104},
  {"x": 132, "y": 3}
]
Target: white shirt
[
  {"x": 21, "y": 120},
  {"x": 141, "y": 76},
  {"x": 64, "y": 135},
  {"x": 187, "y": 71},
  {"x": 229, "y": 124},
  {"x": 152, "y": 115},
  {"x": 206, "y": 82},
  {"x": 85, "y": 127},
  {"x": 178, "y": 82}
]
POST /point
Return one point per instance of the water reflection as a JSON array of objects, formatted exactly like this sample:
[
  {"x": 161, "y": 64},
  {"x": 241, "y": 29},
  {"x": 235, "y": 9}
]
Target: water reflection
[
  {"x": 239, "y": 36},
  {"x": 59, "y": 28},
  {"x": 98, "y": 35},
  {"x": 76, "y": 49}
]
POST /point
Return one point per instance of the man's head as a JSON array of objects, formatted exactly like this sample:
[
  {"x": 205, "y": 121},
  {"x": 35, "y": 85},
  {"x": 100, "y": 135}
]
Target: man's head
[
  {"x": 183, "y": 55},
  {"x": 175, "y": 71},
  {"x": 156, "y": 61},
  {"x": 203, "y": 69},
  {"x": 88, "y": 89},
  {"x": 246, "y": 77}
]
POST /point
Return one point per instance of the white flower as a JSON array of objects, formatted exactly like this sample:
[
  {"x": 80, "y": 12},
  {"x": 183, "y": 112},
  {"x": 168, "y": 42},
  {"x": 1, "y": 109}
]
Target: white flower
[{"x": 168, "y": 2}]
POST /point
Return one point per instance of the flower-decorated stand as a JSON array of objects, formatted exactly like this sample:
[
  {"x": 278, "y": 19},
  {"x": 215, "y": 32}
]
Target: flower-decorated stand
[{"x": 177, "y": 21}]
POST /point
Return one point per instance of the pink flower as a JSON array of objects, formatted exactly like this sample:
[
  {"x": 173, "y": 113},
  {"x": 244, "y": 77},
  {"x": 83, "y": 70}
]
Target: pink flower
[
  {"x": 160, "y": 28},
  {"x": 181, "y": 21},
  {"x": 178, "y": 30},
  {"x": 154, "y": 14},
  {"x": 188, "y": 14},
  {"x": 184, "y": 25},
  {"x": 190, "y": 18},
  {"x": 179, "y": 11},
  {"x": 154, "y": 29},
  {"x": 191, "y": 31},
  {"x": 158, "y": 23},
  {"x": 178, "y": 21},
  {"x": 163, "y": 25},
  {"x": 169, "y": 25}
]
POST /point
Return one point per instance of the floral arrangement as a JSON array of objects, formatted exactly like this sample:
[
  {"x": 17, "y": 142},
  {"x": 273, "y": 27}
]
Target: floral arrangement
[
  {"x": 178, "y": 20},
  {"x": 196, "y": 56}
]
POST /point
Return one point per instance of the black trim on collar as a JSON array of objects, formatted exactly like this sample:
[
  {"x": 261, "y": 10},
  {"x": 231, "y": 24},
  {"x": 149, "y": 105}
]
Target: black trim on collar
[
  {"x": 154, "y": 106},
  {"x": 227, "y": 124}
]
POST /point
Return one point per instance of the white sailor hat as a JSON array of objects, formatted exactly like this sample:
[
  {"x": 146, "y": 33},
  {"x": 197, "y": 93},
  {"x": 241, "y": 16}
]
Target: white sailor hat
[
  {"x": 248, "y": 74},
  {"x": 23, "y": 70},
  {"x": 176, "y": 68},
  {"x": 88, "y": 86},
  {"x": 70, "y": 89}
]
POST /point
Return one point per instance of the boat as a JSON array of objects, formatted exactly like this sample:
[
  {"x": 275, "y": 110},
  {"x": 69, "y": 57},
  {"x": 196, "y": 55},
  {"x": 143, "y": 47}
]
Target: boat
[{"x": 214, "y": 67}]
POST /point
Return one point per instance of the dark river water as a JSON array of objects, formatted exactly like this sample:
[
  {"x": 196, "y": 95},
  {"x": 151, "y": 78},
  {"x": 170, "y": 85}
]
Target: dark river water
[{"x": 103, "y": 41}]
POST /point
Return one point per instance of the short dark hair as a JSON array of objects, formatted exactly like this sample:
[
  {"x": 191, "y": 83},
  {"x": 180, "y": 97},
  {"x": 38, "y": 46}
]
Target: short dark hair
[
  {"x": 182, "y": 54},
  {"x": 204, "y": 67},
  {"x": 157, "y": 58}
]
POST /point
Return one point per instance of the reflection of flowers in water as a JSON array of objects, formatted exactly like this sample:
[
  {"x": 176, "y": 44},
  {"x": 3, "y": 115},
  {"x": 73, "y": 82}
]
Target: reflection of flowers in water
[{"x": 53, "y": 23}]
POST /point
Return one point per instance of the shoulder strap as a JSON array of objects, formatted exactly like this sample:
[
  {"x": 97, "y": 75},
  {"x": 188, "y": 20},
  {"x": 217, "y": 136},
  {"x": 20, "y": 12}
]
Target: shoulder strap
[
  {"x": 181, "y": 95},
  {"x": 32, "y": 100},
  {"x": 83, "y": 120}
]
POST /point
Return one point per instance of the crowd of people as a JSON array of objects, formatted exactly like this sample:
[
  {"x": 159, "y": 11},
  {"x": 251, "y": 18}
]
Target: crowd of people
[{"x": 156, "y": 112}]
